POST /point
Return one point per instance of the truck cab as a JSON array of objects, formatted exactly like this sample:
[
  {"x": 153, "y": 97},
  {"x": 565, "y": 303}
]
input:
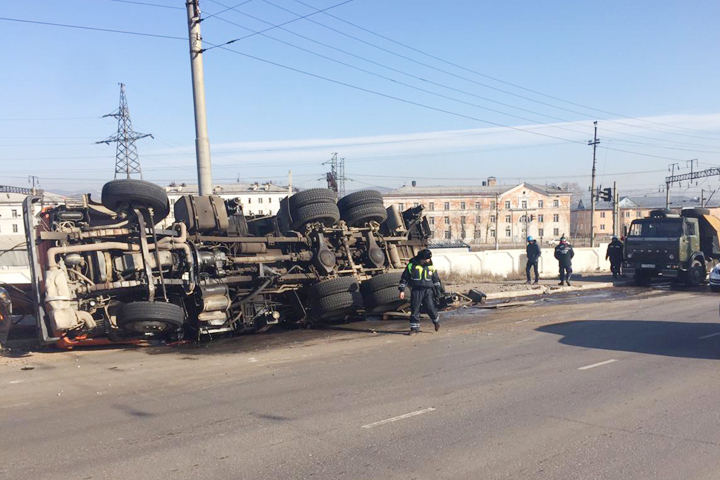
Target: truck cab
[{"x": 680, "y": 246}]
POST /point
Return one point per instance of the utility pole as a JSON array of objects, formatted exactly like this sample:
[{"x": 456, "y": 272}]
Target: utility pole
[
  {"x": 202, "y": 142},
  {"x": 616, "y": 216},
  {"x": 594, "y": 144},
  {"x": 668, "y": 183},
  {"x": 33, "y": 179},
  {"x": 702, "y": 197},
  {"x": 497, "y": 221}
]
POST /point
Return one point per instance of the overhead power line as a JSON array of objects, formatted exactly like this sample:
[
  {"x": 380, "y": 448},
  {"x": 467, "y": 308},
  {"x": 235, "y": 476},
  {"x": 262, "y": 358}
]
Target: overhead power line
[
  {"x": 147, "y": 4},
  {"x": 82, "y": 27},
  {"x": 495, "y": 78}
]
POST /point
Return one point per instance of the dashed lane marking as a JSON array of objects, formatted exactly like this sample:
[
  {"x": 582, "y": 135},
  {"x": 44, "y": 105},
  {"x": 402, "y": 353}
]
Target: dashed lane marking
[
  {"x": 600, "y": 364},
  {"x": 709, "y": 336},
  {"x": 399, "y": 417}
]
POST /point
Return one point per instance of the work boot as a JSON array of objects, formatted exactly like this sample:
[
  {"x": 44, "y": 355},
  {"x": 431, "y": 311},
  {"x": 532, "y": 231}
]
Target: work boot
[
  {"x": 437, "y": 326},
  {"x": 413, "y": 331},
  {"x": 567, "y": 282},
  {"x": 535, "y": 282},
  {"x": 528, "y": 282},
  {"x": 562, "y": 282}
]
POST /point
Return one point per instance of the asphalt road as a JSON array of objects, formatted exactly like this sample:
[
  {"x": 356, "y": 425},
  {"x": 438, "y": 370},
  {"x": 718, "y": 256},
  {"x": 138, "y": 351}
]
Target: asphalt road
[{"x": 610, "y": 385}]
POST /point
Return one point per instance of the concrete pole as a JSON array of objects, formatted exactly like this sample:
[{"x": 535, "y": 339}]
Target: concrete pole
[
  {"x": 202, "y": 143},
  {"x": 594, "y": 144},
  {"x": 667, "y": 195},
  {"x": 615, "y": 210},
  {"x": 497, "y": 222}
]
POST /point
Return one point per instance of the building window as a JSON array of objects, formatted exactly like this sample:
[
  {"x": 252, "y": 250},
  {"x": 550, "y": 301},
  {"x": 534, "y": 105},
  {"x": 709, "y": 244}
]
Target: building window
[
  {"x": 447, "y": 205},
  {"x": 524, "y": 204},
  {"x": 447, "y": 235},
  {"x": 507, "y": 232},
  {"x": 415, "y": 204},
  {"x": 463, "y": 234},
  {"x": 627, "y": 214},
  {"x": 602, "y": 214},
  {"x": 492, "y": 218},
  {"x": 249, "y": 201},
  {"x": 462, "y": 205},
  {"x": 523, "y": 219},
  {"x": 541, "y": 232},
  {"x": 260, "y": 200},
  {"x": 540, "y": 204},
  {"x": 507, "y": 204},
  {"x": 556, "y": 203},
  {"x": 462, "y": 220},
  {"x": 269, "y": 199},
  {"x": 492, "y": 233},
  {"x": 14, "y": 213},
  {"x": 602, "y": 226},
  {"x": 508, "y": 219},
  {"x": 447, "y": 220},
  {"x": 639, "y": 215},
  {"x": 556, "y": 231},
  {"x": 15, "y": 228},
  {"x": 431, "y": 220},
  {"x": 556, "y": 218},
  {"x": 478, "y": 219},
  {"x": 477, "y": 205},
  {"x": 432, "y": 206},
  {"x": 492, "y": 205},
  {"x": 260, "y": 212},
  {"x": 541, "y": 218},
  {"x": 401, "y": 206}
]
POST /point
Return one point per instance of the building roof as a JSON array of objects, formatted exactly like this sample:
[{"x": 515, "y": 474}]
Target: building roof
[
  {"x": 479, "y": 190},
  {"x": 230, "y": 189},
  {"x": 18, "y": 194},
  {"x": 645, "y": 202}
]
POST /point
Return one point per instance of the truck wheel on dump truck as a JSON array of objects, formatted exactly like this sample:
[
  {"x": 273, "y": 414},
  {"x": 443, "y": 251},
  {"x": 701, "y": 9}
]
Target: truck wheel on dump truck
[
  {"x": 379, "y": 282},
  {"x": 311, "y": 196},
  {"x": 334, "y": 307},
  {"x": 642, "y": 279},
  {"x": 362, "y": 197},
  {"x": 358, "y": 216},
  {"x": 325, "y": 213},
  {"x": 119, "y": 194},
  {"x": 150, "y": 317},
  {"x": 695, "y": 274},
  {"x": 386, "y": 300},
  {"x": 332, "y": 287}
]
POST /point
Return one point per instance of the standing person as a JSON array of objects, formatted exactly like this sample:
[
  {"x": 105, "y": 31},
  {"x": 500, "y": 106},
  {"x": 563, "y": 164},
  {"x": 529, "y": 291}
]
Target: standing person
[
  {"x": 564, "y": 254},
  {"x": 424, "y": 281},
  {"x": 615, "y": 255},
  {"x": 533, "y": 257}
]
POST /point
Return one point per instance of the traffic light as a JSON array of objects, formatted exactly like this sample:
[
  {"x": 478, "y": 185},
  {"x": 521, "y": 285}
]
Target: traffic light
[{"x": 606, "y": 194}]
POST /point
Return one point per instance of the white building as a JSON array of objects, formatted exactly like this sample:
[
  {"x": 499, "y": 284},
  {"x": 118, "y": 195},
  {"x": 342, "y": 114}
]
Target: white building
[{"x": 255, "y": 198}]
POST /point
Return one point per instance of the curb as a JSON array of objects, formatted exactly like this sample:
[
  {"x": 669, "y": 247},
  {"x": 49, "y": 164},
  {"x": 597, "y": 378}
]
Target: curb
[{"x": 548, "y": 290}]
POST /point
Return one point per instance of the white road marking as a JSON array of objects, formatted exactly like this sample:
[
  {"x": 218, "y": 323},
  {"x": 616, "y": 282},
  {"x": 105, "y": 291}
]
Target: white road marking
[
  {"x": 709, "y": 336},
  {"x": 600, "y": 364},
  {"x": 400, "y": 417}
]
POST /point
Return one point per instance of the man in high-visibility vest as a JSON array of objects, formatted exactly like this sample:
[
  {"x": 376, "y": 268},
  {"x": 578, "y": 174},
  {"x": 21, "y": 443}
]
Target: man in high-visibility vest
[{"x": 424, "y": 282}]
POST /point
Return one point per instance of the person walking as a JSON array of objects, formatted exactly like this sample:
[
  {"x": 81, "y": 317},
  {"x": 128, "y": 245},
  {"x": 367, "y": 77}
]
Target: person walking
[
  {"x": 533, "y": 257},
  {"x": 615, "y": 255},
  {"x": 564, "y": 254},
  {"x": 424, "y": 282}
]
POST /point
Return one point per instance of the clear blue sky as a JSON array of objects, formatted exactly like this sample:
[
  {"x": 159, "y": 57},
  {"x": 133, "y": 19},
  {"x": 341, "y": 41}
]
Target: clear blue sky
[{"x": 652, "y": 60}]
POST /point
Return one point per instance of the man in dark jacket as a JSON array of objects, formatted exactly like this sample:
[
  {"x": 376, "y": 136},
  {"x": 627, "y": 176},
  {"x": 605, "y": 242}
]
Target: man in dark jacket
[
  {"x": 564, "y": 254},
  {"x": 615, "y": 255},
  {"x": 533, "y": 257},
  {"x": 424, "y": 282}
]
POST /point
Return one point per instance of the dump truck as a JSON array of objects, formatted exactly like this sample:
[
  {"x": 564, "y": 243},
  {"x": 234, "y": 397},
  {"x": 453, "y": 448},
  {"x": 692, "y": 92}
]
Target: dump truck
[
  {"x": 681, "y": 246},
  {"x": 117, "y": 271}
]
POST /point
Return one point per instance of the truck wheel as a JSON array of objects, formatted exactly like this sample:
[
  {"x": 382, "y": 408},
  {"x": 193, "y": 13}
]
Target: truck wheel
[
  {"x": 119, "y": 194},
  {"x": 325, "y": 213},
  {"x": 334, "y": 307},
  {"x": 311, "y": 196},
  {"x": 385, "y": 300},
  {"x": 362, "y": 197},
  {"x": 715, "y": 288},
  {"x": 332, "y": 287},
  {"x": 642, "y": 279},
  {"x": 379, "y": 282},
  {"x": 150, "y": 317},
  {"x": 362, "y": 214},
  {"x": 695, "y": 274}
]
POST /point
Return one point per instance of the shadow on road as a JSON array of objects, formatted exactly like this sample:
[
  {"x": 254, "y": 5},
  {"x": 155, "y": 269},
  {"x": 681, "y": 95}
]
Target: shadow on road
[{"x": 671, "y": 339}]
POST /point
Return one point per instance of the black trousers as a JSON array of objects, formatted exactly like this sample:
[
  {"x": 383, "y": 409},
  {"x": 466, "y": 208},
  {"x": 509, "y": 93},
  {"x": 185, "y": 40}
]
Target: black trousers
[
  {"x": 527, "y": 270},
  {"x": 422, "y": 299},
  {"x": 615, "y": 267},
  {"x": 565, "y": 273}
]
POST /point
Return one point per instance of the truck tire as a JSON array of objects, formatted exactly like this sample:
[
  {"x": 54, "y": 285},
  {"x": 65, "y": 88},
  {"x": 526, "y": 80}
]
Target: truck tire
[
  {"x": 334, "y": 307},
  {"x": 380, "y": 282},
  {"x": 385, "y": 300},
  {"x": 695, "y": 274},
  {"x": 150, "y": 317},
  {"x": 311, "y": 196},
  {"x": 332, "y": 287},
  {"x": 362, "y": 214},
  {"x": 642, "y": 279},
  {"x": 362, "y": 197},
  {"x": 325, "y": 213},
  {"x": 119, "y": 194}
]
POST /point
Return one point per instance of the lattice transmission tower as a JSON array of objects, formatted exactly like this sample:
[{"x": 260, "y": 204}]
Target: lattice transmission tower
[
  {"x": 336, "y": 176},
  {"x": 127, "y": 162}
]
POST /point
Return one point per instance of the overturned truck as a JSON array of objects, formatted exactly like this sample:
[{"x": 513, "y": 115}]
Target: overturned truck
[{"x": 120, "y": 271}]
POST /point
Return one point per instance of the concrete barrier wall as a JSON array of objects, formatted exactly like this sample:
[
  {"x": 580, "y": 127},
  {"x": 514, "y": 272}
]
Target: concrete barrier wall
[{"x": 505, "y": 262}]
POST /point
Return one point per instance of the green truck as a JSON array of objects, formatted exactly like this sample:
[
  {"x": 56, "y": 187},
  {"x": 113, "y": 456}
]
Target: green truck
[{"x": 680, "y": 246}]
